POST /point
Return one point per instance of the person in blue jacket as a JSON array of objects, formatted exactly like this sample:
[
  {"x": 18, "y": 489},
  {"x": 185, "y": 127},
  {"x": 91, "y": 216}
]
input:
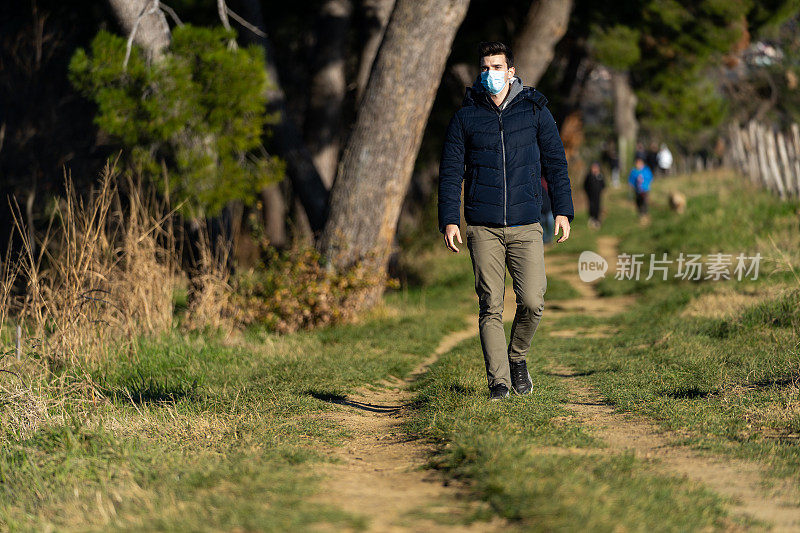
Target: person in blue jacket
[
  {"x": 499, "y": 144},
  {"x": 640, "y": 178}
]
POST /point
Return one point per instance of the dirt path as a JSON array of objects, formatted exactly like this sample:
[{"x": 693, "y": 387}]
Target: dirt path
[
  {"x": 739, "y": 480},
  {"x": 565, "y": 268},
  {"x": 381, "y": 474}
]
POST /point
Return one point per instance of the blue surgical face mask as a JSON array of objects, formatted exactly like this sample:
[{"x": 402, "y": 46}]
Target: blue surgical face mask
[{"x": 493, "y": 80}]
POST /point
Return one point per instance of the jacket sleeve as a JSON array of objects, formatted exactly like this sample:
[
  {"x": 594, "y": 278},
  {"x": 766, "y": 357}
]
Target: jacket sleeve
[
  {"x": 451, "y": 174},
  {"x": 554, "y": 165}
]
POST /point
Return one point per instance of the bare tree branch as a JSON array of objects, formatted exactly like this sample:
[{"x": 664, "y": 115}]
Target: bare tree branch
[
  {"x": 154, "y": 9},
  {"x": 143, "y": 22},
  {"x": 246, "y": 24},
  {"x": 171, "y": 12},
  {"x": 222, "y": 9}
]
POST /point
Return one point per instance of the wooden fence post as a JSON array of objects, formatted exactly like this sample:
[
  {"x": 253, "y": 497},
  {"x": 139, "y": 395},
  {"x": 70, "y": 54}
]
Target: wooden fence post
[
  {"x": 772, "y": 160},
  {"x": 763, "y": 171},
  {"x": 788, "y": 178}
]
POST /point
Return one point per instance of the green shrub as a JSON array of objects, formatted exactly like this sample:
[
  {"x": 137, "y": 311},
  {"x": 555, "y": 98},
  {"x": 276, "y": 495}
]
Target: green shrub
[{"x": 190, "y": 121}]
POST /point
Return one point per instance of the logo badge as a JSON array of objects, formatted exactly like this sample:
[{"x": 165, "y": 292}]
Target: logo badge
[{"x": 591, "y": 266}]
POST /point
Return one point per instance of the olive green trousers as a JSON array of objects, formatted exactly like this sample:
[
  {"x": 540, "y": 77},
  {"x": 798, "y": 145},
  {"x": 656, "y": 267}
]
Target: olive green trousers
[{"x": 521, "y": 249}]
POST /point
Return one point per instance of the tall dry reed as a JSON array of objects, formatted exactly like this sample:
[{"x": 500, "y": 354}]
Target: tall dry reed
[{"x": 103, "y": 272}]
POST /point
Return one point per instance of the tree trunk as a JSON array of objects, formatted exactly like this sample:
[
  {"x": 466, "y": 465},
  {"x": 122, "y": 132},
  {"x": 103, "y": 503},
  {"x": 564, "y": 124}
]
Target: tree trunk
[
  {"x": 306, "y": 181},
  {"x": 273, "y": 201},
  {"x": 545, "y": 25},
  {"x": 426, "y": 168},
  {"x": 376, "y": 16},
  {"x": 152, "y": 32},
  {"x": 273, "y": 215},
  {"x": 624, "y": 118},
  {"x": 328, "y": 88},
  {"x": 574, "y": 78},
  {"x": 379, "y": 158}
]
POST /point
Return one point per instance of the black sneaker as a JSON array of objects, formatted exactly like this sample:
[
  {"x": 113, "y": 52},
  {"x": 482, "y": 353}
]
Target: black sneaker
[
  {"x": 520, "y": 377},
  {"x": 498, "y": 391}
]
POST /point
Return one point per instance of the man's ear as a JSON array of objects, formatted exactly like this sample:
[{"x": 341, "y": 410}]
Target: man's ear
[{"x": 511, "y": 72}]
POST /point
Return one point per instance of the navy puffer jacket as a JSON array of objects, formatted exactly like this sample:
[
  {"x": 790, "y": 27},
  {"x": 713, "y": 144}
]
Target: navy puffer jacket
[{"x": 501, "y": 155}]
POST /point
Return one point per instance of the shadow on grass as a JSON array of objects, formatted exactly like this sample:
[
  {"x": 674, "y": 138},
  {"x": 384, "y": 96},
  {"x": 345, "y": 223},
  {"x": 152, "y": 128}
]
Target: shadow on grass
[
  {"x": 688, "y": 393},
  {"x": 460, "y": 389},
  {"x": 340, "y": 399},
  {"x": 775, "y": 381},
  {"x": 571, "y": 374},
  {"x": 696, "y": 392},
  {"x": 146, "y": 391}
]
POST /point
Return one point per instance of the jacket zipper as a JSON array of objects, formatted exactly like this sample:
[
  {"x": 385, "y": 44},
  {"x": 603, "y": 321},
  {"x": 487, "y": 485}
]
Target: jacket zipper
[
  {"x": 503, "y": 144},
  {"x": 505, "y": 186}
]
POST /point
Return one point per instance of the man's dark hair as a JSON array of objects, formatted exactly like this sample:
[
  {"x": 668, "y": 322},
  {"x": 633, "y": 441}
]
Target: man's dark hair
[{"x": 495, "y": 48}]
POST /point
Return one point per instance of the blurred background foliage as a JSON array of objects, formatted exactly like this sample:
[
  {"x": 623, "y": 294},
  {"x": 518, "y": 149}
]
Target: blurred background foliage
[{"x": 215, "y": 123}]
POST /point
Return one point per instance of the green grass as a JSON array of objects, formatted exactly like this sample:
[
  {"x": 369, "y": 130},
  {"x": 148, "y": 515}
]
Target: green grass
[
  {"x": 497, "y": 446},
  {"x": 559, "y": 289},
  {"x": 204, "y": 433},
  {"x": 199, "y": 432},
  {"x": 729, "y": 383}
]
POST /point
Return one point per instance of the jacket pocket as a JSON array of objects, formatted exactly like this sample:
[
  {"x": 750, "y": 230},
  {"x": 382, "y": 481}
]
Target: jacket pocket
[
  {"x": 536, "y": 187},
  {"x": 473, "y": 174}
]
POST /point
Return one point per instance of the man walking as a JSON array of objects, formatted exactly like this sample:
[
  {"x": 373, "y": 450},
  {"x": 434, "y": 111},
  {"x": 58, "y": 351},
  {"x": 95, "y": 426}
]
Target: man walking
[{"x": 500, "y": 143}]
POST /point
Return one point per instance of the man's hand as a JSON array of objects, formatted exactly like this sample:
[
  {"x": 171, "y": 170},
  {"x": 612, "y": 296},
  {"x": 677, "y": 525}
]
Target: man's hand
[
  {"x": 451, "y": 231},
  {"x": 562, "y": 222}
]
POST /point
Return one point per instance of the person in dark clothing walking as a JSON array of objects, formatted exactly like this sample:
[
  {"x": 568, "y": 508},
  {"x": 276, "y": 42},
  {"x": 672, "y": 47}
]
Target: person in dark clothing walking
[
  {"x": 593, "y": 184},
  {"x": 500, "y": 143}
]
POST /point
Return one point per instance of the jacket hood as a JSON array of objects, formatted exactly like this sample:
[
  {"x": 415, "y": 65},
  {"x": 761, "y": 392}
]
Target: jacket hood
[{"x": 478, "y": 93}]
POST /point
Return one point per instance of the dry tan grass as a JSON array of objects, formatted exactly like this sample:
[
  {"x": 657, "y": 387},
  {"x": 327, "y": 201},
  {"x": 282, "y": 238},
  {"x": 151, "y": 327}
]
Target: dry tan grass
[
  {"x": 28, "y": 402},
  {"x": 210, "y": 291},
  {"x": 773, "y": 418},
  {"x": 166, "y": 424},
  {"x": 101, "y": 274},
  {"x": 727, "y": 301},
  {"x": 9, "y": 272},
  {"x": 24, "y": 410}
]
